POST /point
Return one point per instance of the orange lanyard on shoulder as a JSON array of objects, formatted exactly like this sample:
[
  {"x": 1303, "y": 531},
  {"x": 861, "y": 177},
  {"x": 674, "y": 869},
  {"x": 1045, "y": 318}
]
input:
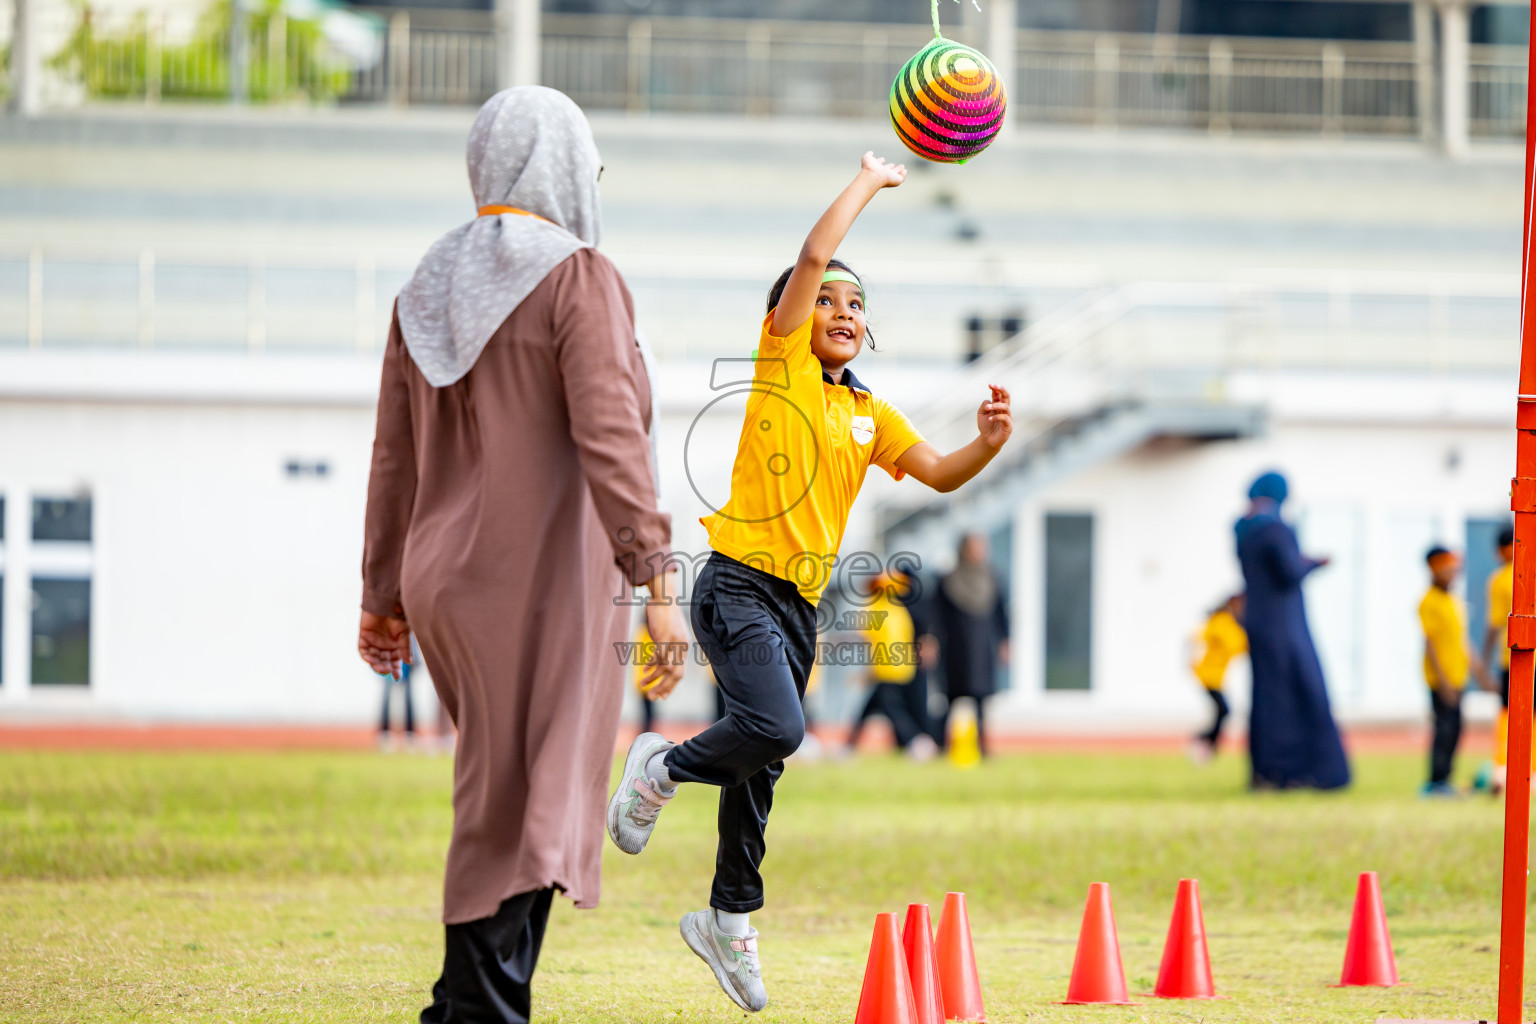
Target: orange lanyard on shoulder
[{"x": 496, "y": 211}]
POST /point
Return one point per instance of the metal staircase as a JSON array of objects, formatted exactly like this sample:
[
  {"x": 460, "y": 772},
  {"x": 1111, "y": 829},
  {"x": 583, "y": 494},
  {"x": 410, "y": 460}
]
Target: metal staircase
[
  {"x": 1079, "y": 402},
  {"x": 1064, "y": 448}
]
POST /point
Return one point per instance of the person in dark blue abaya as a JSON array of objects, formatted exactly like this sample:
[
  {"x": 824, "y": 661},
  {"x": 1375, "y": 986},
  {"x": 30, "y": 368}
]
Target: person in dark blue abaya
[{"x": 1292, "y": 738}]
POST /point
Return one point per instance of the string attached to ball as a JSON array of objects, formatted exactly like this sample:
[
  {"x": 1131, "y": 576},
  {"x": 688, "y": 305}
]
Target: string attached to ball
[{"x": 947, "y": 103}]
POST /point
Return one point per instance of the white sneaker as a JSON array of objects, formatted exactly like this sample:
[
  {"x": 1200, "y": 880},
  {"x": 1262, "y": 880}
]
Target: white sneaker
[
  {"x": 922, "y": 748},
  {"x": 636, "y": 803},
  {"x": 733, "y": 958},
  {"x": 811, "y": 749}
]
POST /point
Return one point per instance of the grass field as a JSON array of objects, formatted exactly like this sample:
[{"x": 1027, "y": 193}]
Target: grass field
[{"x": 304, "y": 887}]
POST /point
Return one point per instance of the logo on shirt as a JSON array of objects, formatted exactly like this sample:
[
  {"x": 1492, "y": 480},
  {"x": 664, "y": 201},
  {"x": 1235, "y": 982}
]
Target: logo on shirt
[{"x": 863, "y": 429}]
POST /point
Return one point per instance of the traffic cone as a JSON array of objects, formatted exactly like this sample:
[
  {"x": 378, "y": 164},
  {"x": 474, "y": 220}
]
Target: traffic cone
[
  {"x": 1368, "y": 958},
  {"x": 1186, "y": 969},
  {"x": 958, "y": 984},
  {"x": 887, "y": 994},
  {"x": 964, "y": 739},
  {"x": 922, "y": 965},
  {"x": 1097, "y": 974}
]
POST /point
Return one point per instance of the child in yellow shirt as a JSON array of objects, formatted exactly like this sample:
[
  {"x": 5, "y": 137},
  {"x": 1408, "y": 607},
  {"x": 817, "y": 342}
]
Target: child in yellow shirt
[
  {"x": 1501, "y": 599},
  {"x": 1447, "y": 661},
  {"x": 898, "y": 684},
  {"x": 643, "y": 686},
  {"x": 811, "y": 432},
  {"x": 1222, "y": 639}
]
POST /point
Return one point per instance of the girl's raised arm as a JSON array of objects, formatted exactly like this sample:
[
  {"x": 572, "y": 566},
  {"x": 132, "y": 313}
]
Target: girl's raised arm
[{"x": 804, "y": 283}]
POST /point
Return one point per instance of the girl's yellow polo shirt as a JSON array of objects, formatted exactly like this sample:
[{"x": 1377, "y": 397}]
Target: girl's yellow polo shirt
[{"x": 805, "y": 446}]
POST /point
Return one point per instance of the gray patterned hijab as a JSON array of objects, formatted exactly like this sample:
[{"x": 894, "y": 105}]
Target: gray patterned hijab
[
  {"x": 530, "y": 148},
  {"x": 971, "y": 586}
]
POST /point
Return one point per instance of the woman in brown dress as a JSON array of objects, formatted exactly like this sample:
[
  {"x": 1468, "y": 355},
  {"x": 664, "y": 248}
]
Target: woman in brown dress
[{"x": 511, "y": 509}]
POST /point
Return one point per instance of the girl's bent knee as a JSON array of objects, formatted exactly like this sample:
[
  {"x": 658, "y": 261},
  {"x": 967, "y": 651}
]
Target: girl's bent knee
[{"x": 783, "y": 741}]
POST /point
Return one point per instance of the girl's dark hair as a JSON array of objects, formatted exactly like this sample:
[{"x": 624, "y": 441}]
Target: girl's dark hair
[{"x": 777, "y": 292}]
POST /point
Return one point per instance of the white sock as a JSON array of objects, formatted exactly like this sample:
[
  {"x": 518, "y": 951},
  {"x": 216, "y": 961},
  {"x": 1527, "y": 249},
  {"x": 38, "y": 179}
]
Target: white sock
[
  {"x": 656, "y": 771},
  {"x": 733, "y": 924}
]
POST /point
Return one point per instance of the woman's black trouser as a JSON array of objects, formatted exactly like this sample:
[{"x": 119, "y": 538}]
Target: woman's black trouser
[
  {"x": 1442, "y": 750},
  {"x": 488, "y": 964},
  {"x": 759, "y": 635},
  {"x": 981, "y": 722}
]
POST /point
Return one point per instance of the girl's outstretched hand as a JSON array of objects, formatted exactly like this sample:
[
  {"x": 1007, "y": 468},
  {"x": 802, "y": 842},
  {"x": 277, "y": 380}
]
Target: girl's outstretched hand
[
  {"x": 994, "y": 420},
  {"x": 886, "y": 174}
]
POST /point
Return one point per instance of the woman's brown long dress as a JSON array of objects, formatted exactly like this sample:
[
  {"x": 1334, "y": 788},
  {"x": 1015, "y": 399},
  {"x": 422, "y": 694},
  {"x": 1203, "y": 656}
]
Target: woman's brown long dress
[{"x": 508, "y": 514}]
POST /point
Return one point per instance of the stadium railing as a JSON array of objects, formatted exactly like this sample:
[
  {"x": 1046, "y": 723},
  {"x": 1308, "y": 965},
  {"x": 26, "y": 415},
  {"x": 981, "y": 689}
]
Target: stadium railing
[
  {"x": 796, "y": 68},
  {"x": 201, "y": 297}
]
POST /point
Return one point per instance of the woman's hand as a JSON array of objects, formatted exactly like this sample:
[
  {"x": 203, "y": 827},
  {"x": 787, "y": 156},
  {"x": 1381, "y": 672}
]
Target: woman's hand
[
  {"x": 928, "y": 651},
  {"x": 994, "y": 419},
  {"x": 384, "y": 643},
  {"x": 885, "y": 173}
]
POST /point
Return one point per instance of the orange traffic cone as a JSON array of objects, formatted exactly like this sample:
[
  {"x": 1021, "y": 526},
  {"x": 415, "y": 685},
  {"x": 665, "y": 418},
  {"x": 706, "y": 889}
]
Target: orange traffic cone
[
  {"x": 958, "y": 983},
  {"x": 887, "y": 994},
  {"x": 922, "y": 965},
  {"x": 1186, "y": 969},
  {"x": 1097, "y": 974},
  {"x": 1368, "y": 958}
]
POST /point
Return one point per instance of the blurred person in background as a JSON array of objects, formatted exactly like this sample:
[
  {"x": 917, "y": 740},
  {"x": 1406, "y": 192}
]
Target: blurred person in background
[
  {"x": 1501, "y": 600},
  {"x": 715, "y": 686},
  {"x": 810, "y": 749},
  {"x": 1447, "y": 662},
  {"x": 971, "y": 624},
  {"x": 407, "y": 662},
  {"x": 1293, "y": 740},
  {"x": 917, "y": 598},
  {"x": 512, "y": 494},
  {"x": 898, "y": 681},
  {"x": 644, "y": 684},
  {"x": 1222, "y": 639}
]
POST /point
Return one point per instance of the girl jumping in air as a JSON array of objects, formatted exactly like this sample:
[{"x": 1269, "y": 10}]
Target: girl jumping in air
[{"x": 811, "y": 431}]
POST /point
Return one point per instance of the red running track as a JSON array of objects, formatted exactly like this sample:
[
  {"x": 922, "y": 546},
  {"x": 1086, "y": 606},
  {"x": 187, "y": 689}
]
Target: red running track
[{"x": 128, "y": 736}]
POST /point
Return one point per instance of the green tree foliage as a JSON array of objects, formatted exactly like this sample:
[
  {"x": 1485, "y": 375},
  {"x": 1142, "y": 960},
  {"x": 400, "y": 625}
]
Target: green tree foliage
[{"x": 289, "y": 58}]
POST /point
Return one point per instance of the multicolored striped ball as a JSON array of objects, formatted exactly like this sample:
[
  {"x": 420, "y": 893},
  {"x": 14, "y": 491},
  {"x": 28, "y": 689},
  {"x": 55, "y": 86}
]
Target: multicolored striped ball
[{"x": 947, "y": 104}]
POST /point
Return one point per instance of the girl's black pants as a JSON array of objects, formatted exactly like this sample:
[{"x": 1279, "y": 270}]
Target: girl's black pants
[{"x": 759, "y": 635}]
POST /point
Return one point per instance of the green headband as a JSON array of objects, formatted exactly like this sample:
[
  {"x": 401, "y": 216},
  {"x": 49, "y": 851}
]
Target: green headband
[{"x": 843, "y": 275}]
